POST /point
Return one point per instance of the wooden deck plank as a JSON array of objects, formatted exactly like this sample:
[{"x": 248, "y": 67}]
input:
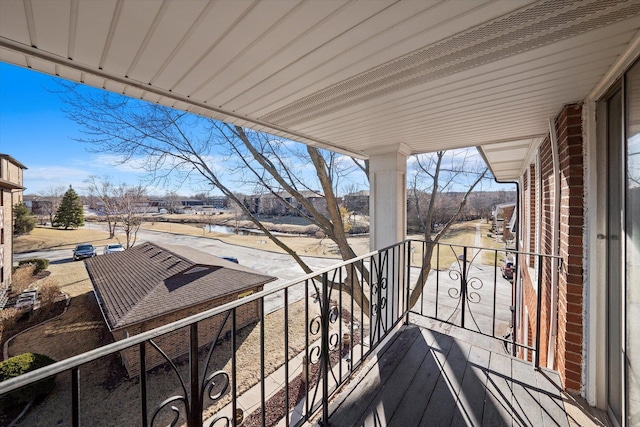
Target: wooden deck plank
[
  {"x": 443, "y": 400},
  {"x": 497, "y": 405},
  {"x": 553, "y": 413},
  {"x": 415, "y": 399},
  {"x": 385, "y": 403},
  {"x": 365, "y": 391},
  {"x": 424, "y": 377},
  {"x": 470, "y": 405},
  {"x": 526, "y": 399}
]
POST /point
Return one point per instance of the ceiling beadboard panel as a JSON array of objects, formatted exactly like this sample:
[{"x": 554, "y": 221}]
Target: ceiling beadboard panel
[{"x": 353, "y": 76}]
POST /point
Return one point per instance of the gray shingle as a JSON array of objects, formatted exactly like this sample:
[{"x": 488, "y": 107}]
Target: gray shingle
[{"x": 150, "y": 280}]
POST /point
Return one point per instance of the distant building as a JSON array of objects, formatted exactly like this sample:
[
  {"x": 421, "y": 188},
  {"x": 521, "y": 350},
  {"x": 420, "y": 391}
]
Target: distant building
[
  {"x": 504, "y": 220},
  {"x": 11, "y": 179},
  {"x": 210, "y": 204},
  {"x": 149, "y": 285},
  {"x": 37, "y": 205},
  {"x": 357, "y": 202},
  {"x": 283, "y": 203}
]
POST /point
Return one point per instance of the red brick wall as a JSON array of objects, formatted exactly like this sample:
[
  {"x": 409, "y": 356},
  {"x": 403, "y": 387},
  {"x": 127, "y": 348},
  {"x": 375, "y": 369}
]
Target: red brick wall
[
  {"x": 176, "y": 343},
  {"x": 532, "y": 213},
  {"x": 568, "y": 355},
  {"x": 507, "y": 213},
  {"x": 530, "y": 302},
  {"x": 570, "y": 286}
]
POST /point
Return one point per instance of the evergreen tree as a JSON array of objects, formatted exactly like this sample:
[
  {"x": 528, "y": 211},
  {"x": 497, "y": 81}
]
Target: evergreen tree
[
  {"x": 24, "y": 222},
  {"x": 70, "y": 212}
]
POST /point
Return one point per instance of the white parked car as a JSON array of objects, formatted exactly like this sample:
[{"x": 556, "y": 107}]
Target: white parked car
[
  {"x": 25, "y": 302},
  {"x": 109, "y": 249}
]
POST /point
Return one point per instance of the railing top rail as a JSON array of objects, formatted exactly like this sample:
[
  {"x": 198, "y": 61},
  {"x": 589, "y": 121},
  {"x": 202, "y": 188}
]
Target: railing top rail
[{"x": 483, "y": 248}]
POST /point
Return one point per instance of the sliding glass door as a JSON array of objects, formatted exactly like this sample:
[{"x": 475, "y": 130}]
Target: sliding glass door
[
  {"x": 631, "y": 294},
  {"x": 623, "y": 250}
]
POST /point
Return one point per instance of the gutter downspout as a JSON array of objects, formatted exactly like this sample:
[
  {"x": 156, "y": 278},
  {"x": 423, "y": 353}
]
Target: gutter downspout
[
  {"x": 555, "y": 236},
  {"x": 514, "y": 298}
]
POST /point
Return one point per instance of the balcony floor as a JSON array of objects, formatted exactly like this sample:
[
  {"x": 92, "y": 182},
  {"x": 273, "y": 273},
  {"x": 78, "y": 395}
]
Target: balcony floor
[{"x": 428, "y": 378}]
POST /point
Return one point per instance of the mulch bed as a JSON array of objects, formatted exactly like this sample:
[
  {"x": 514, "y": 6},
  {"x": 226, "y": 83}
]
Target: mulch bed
[
  {"x": 276, "y": 404},
  {"x": 32, "y": 318}
]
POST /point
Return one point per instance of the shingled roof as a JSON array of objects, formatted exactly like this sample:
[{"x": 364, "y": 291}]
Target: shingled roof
[{"x": 150, "y": 280}]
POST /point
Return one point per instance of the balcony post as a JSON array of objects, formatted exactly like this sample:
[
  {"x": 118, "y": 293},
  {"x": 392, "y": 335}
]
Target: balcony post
[
  {"x": 324, "y": 347},
  {"x": 388, "y": 197},
  {"x": 463, "y": 285},
  {"x": 388, "y": 219},
  {"x": 195, "y": 412},
  {"x": 538, "y": 312}
]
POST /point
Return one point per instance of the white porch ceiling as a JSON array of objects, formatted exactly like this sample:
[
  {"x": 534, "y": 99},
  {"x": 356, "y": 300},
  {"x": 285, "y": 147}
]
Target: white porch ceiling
[{"x": 354, "y": 76}]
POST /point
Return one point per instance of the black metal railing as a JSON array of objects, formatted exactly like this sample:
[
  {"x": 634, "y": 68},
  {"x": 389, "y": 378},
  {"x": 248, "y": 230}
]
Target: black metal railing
[
  {"x": 474, "y": 288},
  {"x": 307, "y": 338}
]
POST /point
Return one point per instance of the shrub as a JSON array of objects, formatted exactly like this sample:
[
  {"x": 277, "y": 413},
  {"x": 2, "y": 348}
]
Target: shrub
[
  {"x": 23, "y": 220},
  {"x": 41, "y": 264},
  {"x": 49, "y": 293},
  {"x": 22, "y": 278},
  {"x": 8, "y": 319},
  {"x": 21, "y": 364}
]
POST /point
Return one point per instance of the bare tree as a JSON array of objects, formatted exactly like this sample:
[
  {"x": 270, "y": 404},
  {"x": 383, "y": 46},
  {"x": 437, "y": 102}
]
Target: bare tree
[
  {"x": 104, "y": 191},
  {"x": 132, "y": 203},
  {"x": 434, "y": 174},
  {"x": 180, "y": 145},
  {"x": 51, "y": 198},
  {"x": 173, "y": 202},
  {"x": 121, "y": 205}
]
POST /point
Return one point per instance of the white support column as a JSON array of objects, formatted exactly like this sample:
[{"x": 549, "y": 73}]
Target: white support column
[
  {"x": 388, "y": 213},
  {"x": 388, "y": 197}
]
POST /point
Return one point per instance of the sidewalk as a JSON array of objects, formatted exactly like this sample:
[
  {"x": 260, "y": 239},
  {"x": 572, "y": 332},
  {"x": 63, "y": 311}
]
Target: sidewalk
[{"x": 250, "y": 401}]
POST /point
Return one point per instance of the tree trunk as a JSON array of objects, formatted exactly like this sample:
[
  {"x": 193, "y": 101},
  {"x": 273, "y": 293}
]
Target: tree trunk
[{"x": 424, "y": 274}]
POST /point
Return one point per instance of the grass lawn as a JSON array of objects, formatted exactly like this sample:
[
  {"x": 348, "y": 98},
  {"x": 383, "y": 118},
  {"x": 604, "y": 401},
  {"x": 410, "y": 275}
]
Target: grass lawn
[{"x": 42, "y": 238}]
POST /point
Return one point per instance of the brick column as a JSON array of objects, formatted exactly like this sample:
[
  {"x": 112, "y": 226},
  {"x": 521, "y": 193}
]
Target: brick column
[{"x": 569, "y": 350}]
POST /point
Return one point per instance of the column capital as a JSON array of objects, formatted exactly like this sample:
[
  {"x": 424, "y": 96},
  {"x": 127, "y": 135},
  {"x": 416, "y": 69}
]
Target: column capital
[{"x": 400, "y": 148}]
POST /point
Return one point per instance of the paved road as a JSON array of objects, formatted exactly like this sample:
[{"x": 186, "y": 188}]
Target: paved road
[{"x": 270, "y": 263}]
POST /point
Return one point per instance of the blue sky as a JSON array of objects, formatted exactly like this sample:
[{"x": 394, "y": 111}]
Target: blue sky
[{"x": 35, "y": 132}]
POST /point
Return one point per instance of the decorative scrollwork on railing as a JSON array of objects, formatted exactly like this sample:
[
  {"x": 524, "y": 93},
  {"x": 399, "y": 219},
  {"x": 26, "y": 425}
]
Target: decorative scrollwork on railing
[
  {"x": 454, "y": 275},
  {"x": 334, "y": 341},
  {"x": 476, "y": 284},
  {"x": 376, "y": 308},
  {"x": 315, "y": 354},
  {"x": 315, "y": 328},
  {"x": 315, "y": 325},
  {"x": 454, "y": 292},
  {"x": 380, "y": 285},
  {"x": 174, "y": 409},
  {"x": 334, "y": 314},
  {"x": 380, "y": 302},
  {"x": 214, "y": 386},
  {"x": 334, "y": 317},
  {"x": 210, "y": 385},
  {"x": 226, "y": 420},
  {"x": 184, "y": 399}
]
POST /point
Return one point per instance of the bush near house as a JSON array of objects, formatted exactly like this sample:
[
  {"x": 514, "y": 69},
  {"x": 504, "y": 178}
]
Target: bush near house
[
  {"x": 21, "y": 364},
  {"x": 41, "y": 264},
  {"x": 22, "y": 278},
  {"x": 23, "y": 221}
]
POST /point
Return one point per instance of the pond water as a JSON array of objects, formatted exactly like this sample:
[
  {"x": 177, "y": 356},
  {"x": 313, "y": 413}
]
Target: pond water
[
  {"x": 225, "y": 230},
  {"x": 244, "y": 231}
]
